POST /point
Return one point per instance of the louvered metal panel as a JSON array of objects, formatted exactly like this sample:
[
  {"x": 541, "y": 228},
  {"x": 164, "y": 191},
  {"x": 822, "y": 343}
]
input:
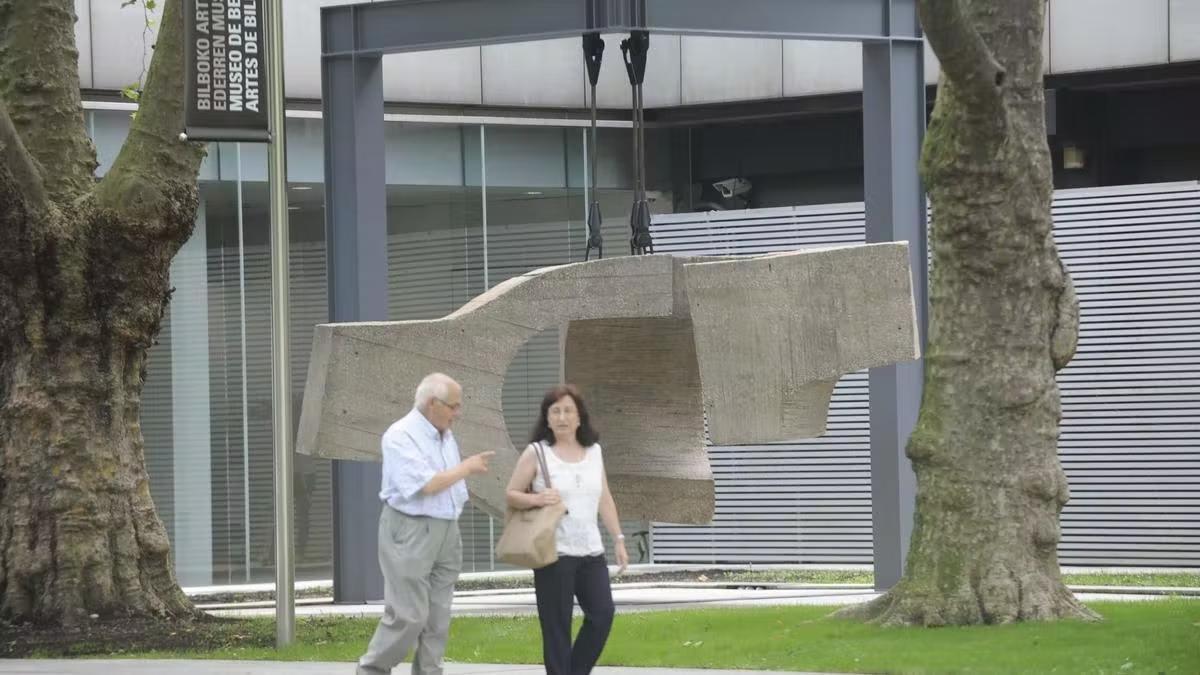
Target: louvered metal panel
[
  {"x": 806, "y": 502},
  {"x": 158, "y": 426},
  {"x": 1130, "y": 440},
  {"x": 313, "y": 508}
]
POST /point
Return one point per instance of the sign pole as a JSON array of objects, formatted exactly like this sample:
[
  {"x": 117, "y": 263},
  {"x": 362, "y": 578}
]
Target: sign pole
[
  {"x": 281, "y": 390},
  {"x": 233, "y": 54}
]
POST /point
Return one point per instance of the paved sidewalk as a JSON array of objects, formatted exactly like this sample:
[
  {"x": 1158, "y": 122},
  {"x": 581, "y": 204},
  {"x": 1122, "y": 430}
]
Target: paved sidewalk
[{"x": 139, "y": 667}]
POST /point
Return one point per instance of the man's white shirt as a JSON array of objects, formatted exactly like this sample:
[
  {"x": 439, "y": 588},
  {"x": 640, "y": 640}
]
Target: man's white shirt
[{"x": 413, "y": 452}]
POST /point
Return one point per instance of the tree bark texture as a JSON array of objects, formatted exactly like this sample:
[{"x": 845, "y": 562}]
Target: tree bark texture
[
  {"x": 1003, "y": 321},
  {"x": 84, "y": 283}
]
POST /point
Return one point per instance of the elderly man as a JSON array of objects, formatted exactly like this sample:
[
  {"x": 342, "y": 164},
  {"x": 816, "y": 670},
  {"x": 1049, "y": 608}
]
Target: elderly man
[{"x": 420, "y": 551}]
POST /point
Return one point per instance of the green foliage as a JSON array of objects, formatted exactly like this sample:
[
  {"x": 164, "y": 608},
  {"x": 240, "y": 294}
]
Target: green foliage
[{"x": 1144, "y": 580}]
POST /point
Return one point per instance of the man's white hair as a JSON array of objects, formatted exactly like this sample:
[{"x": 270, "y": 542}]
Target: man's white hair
[{"x": 435, "y": 385}]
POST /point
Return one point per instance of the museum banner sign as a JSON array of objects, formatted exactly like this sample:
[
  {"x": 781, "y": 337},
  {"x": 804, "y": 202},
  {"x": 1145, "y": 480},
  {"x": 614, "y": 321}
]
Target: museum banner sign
[{"x": 224, "y": 58}]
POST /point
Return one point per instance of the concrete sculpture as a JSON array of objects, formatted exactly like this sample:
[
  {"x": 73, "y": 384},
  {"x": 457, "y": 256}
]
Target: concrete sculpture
[{"x": 657, "y": 343}]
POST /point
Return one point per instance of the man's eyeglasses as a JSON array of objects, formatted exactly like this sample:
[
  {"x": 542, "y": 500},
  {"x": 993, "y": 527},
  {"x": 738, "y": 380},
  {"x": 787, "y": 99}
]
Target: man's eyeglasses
[{"x": 452, "y": 406}]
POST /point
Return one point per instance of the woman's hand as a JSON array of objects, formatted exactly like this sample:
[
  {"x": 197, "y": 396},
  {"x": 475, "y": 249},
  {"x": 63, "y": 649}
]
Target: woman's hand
[
  {"x": 548, "y": 497},
  {"x": 622, "y": 556}
]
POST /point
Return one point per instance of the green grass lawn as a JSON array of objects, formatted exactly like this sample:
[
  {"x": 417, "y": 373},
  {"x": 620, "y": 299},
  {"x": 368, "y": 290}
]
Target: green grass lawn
[
  {"x": 1135, "y": 637},
  {"x": 1173, "y": 579},
  {"x": 802, "y": 576}
]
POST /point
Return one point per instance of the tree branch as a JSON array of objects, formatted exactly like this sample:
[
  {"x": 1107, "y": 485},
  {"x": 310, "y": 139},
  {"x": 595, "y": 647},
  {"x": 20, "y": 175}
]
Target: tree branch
[
  {"x": 39, "y": 82},
  {"x": 1064, "y": 337},
  {"x": 965, "y": 59},
  {"x": 153, "y": 161},
  {"x": 16, "y": 160},
  {"x": 23, "y": 208}
]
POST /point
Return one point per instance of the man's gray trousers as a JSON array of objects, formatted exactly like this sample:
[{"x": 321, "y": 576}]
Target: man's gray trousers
[{"x": 420, "y": 558}]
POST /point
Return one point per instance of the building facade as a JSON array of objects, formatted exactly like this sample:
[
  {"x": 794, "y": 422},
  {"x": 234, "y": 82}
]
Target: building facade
[{"x": 486, "y": 166}]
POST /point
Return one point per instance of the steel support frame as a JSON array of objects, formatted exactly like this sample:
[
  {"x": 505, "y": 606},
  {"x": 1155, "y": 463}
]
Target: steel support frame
[
  {"x": 893, "y": 129},
  {"x": 356, "y": 236},
  {"x": 355, "y": 37}
]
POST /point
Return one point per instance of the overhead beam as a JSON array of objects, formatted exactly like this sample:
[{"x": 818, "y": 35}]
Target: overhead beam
[
  {"x": 421, "y": 25},
  {"x": 397, "y": 26},
  {"x": 853, "y": 20}
]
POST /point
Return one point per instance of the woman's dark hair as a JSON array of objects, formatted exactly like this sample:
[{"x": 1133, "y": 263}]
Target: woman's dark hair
[{"x": 585, "y": 434}]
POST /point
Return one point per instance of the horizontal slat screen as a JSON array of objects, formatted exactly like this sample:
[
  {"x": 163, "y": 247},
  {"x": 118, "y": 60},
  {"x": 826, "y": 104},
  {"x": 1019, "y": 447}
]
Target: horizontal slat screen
[
  {"x": 1130, "y": 440},
  {"x": 799, "y": 502},
  {"x": 312, "y": 479}
]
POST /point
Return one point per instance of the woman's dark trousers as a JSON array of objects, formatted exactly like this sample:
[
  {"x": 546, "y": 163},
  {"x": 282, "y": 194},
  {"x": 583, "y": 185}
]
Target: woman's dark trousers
[{"x": 557, "y": 585}]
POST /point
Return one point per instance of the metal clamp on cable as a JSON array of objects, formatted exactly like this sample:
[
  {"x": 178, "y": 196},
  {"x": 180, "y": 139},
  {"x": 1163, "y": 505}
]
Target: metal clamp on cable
[
  {"x": 634, "y": 50},
  {"x": 593, "y": 55}
]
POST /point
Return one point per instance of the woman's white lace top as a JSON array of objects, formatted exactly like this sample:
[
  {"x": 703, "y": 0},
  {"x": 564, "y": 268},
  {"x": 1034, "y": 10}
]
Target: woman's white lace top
[{"x": 580, "y": 485}]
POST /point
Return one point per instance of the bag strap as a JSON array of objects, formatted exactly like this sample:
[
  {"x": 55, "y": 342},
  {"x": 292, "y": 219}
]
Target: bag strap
[{"x": 537, "y": 449}]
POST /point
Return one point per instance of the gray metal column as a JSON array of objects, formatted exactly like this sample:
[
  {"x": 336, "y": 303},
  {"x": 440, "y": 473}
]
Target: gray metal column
[
  {"x": 356, "y": 234},
  {"x": 893, "y": 126}
]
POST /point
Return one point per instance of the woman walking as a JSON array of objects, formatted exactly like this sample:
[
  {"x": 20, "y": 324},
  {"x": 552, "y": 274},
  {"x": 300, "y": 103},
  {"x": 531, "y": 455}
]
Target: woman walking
[{"x": 564, "y": 436}]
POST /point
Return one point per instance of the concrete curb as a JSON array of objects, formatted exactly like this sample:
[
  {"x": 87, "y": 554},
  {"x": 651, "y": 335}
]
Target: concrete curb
[{"x": 1165, "y": 591}]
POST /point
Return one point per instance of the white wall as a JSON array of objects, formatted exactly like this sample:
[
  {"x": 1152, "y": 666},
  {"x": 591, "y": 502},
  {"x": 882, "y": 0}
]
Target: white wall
[
  {"x": 1081, "y": 35},
  {"x": 83, "y": 40},
  {"x": 1116, "y": 34},
  {"x": 1185, "y": 29},
  {"x": 120, "y": 41}
]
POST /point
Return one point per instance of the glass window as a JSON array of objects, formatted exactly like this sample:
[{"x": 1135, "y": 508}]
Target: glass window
[
  {"x": 467, "y": 208},
  {"x": 206, "y": 405}
]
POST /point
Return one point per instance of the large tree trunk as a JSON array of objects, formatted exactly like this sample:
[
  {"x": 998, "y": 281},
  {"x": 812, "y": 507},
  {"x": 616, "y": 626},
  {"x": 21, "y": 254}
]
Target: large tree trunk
[
  {"x": 1003, "y": 320},
  {"x": 84, "y": 282},
  {"x": 78, "y": 531}
]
